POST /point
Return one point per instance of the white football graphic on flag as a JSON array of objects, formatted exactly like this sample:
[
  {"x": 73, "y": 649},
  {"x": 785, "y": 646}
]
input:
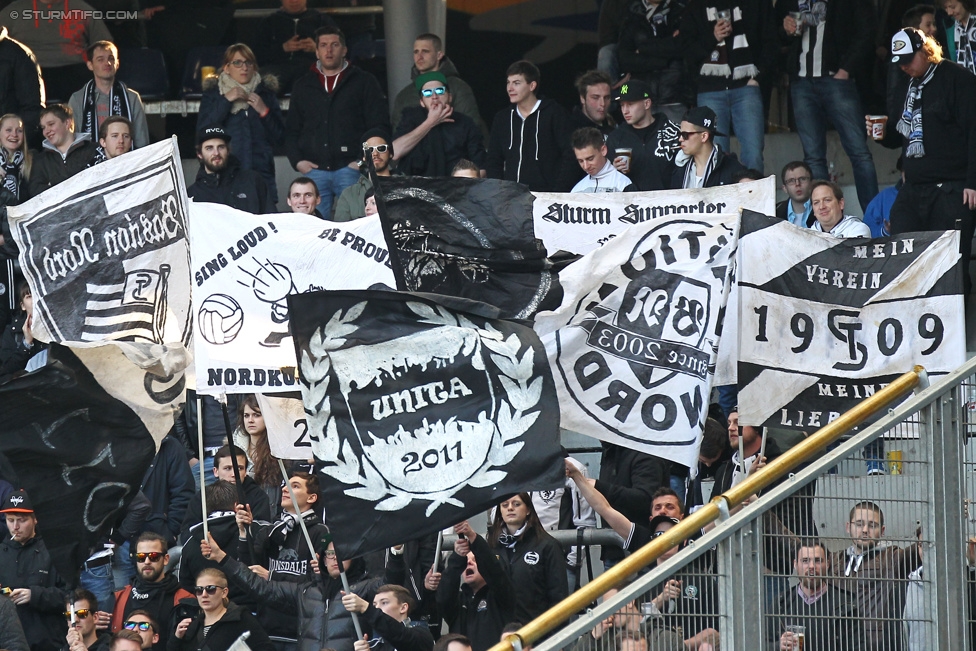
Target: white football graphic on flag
[{"x": 220, "y": 319}]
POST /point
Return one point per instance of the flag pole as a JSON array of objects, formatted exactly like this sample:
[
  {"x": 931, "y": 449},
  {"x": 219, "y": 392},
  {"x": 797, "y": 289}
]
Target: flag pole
[
  {"x": 241, "y": 497},
  {"x": 437, "y": 551},
  {"x": 203, "y": 478},
  {"x": 294, "y": 505},
  {"x": 345, "y": 587}
]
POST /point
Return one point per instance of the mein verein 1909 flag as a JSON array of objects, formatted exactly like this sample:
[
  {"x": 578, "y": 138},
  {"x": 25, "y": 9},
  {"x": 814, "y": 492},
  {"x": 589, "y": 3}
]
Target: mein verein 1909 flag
[
  {"x": 423, "y": 410},
  {"x": 825, "y": 322},
  {"x": 634, "y": 343},
  {"x": 105, "y": 252}
]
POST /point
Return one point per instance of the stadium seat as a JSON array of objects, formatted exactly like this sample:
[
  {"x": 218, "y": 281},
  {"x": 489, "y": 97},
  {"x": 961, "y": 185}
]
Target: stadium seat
[
  {"x": 197, "y": 58},
  {"x": 144, "y": 71}
]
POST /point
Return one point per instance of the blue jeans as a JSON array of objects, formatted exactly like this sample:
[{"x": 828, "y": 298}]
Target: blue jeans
[
  {"x": 331, "y": 185},
  {"x": 99, "y": 581},
  {"x": 208, "y": 464},
  {"x": 123, "y": 568},
  {"x": 740, "y": 109},
  {"x": 814, "y": 102},
  {"x": 606, "y": 61}
]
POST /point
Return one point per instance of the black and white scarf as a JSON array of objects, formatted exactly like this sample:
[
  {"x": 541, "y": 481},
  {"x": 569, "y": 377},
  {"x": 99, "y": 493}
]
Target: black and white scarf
[
  {"x": 735, "y": 61},
  {"x": 118, "y": 104},
  {"x": 657, "y": 16},
  {"x": 11, "y": 164},
  {"x": 965, "y": 39},
  {"x": 98, "y": 158},
  {"x": 910, "y": 124},
  {"x": 690, "y": 168},
  {"x": 509, "y": 540},
  {"x": 814, "y": 12}
]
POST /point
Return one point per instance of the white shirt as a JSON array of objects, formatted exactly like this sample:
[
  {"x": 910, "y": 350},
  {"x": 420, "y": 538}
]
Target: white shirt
[
  {"x": 849, "y": 226},
  {"x": 608, "y": 179}
]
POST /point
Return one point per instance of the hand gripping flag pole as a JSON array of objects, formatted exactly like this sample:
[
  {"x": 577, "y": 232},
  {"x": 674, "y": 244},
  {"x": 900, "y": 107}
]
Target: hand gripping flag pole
[{"x": 294, "y": 505}]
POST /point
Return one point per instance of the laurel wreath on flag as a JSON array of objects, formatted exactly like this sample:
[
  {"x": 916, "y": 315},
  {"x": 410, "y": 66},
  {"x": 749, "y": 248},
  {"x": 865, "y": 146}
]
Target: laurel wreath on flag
[{"x": 513, "y": 419}]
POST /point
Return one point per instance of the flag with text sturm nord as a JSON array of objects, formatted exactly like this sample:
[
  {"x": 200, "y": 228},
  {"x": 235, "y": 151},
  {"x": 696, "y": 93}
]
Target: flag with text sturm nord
[{"x": 422, "y": 411}]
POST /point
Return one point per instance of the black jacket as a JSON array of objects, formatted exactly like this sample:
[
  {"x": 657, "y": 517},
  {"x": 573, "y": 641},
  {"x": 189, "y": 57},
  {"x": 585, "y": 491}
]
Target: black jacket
[
  {"x": 30, "y": 566},
  {"x": 50, "y": 167},
  {"x": 20, "y": 84},
  {"x": 234, "y": 187},
  {"x": 649, "y": 47},
  {"x": 848, "y": 42},
  {"x": 101, "y": 643},
  {"x": 223, "y": 528},
  {"x": 224, "y": 632},
  {"x": 654, "y": 149},
  {"x": 725, "y": 171},
  {"x": 442, "y": 147},
  {"x": 535, "y": 151},
  {"x": 948, "y": 127},
  {"x": 253, "y": 138},
  {"x": 11, "y": 632},
  {"x": 158, "y": 599},
  {"x": 628, "y": 478},
  {"x": 396, "y": 636},
  {"x": 481, "y": 616},
  {"x": 254, "y": 494},
  {"x": 168, "y": 483},
  {"x": 327, "y": 128},
  {"x": 537, "y": 566},
  {"x": 282, "y": 26},
  {"x": 832, "y": 622},
  {"x": 14, "y": 353},
  {"x": 579, "y": 120}
]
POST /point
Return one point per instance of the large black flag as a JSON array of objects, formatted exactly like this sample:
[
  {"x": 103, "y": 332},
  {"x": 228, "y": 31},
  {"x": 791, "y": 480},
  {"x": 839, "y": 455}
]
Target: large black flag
[
  {"x": 422, "y": 411},
  {"x": 79, "y": 452},
  {"x": 468, "y": 238}
]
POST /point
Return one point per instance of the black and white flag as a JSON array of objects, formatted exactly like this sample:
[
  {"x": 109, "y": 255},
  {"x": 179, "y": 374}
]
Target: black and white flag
[
  {"x": 470, "y": 238},
  {"x": 245, "y": 265},
  {"x": 105, "y": 252},
  {"x": 634, "y": 343},
  {"x": 422, "y": 411},
  {"x": 825, "y": 322}
]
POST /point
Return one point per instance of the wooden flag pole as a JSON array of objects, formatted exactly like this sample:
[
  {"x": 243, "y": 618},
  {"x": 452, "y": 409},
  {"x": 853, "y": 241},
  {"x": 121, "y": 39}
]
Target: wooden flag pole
[
  {"x": 345, "y": 587},
  {"x": 203, "y": 478},
  {"x": 294, "y": 505}
]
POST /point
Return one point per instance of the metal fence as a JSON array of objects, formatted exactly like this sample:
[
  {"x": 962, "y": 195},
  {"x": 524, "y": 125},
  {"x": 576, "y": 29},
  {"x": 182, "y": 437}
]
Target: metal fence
[{"x": 863, "y": 547}]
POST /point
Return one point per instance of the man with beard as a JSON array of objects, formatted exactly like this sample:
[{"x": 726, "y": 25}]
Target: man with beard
[
  {"x": 222, "y": 180},
  {"x": 152, "y": 590},
  {"x": 824, "y": 611},
  {"x": 114, "y": 139},
  {"x": 593, "y": 87},
  {"x": 377, "y": 146}
]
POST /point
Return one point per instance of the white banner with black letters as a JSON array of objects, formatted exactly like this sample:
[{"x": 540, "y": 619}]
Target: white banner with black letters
[
  {"x": 105, "y": 252},
  {"x": 284, "y": 419},
  {"x": 826, "y": 322},
  {"x": 245, "y": 265},
  {"x": 633, "y": 345}
]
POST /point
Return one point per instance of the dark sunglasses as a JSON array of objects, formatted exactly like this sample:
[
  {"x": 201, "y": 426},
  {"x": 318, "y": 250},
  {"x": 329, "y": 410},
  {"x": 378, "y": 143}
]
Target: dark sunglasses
[
  {"x": 81, "y": 613},
  {"x": 152, "y": 557},
  {"x": 430, "y": 92},
  {"x": 684, "y": 135},
  {"x": 209, "y": 589},
  {"x": 137, "y": 626},
  {"x": 369, "y": 149}
]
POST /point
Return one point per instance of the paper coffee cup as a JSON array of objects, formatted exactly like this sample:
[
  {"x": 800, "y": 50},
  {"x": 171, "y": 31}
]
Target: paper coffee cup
[
  {"x": 207, "y": 71},
  {"x": 878, "y": 123},
  {"x": 626, "y": 153}
]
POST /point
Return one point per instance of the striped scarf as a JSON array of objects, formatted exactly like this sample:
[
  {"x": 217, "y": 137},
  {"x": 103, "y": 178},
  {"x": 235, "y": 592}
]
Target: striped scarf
[
  {"x": 118, "y": 104},
  {"x": 689, "y": 178},
  {"x": 12, "y": 167},
  {"x": 965, "y": 37},
  {"x": 735, "y": 62},
  {"x": 910, "y": 124}
]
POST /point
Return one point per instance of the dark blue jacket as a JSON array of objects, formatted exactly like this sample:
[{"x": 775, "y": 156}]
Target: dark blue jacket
[
  {"x": 252, "y": 137},
  {"x": 168, "y": 484}
]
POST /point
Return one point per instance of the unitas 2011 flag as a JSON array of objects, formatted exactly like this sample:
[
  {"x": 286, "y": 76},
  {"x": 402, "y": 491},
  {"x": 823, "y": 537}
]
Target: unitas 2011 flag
[
  {"x": 423, "y": 410},
  {"x": 826, "y": 322}
]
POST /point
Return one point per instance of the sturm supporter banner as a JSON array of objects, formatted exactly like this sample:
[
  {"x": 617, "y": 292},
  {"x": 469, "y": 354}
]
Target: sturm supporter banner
[
  {"x": 245, "y": 265},
  {"x": 79, "y": 452},
  {"x": 826, "y": 322},
  {"x": 105, "y": 252},
  {"x": 284, "y": 419},
  {"x": 634, "y": 343},
  {"x": 468, "y": 238},
  {"x": 422, "y": 410}
]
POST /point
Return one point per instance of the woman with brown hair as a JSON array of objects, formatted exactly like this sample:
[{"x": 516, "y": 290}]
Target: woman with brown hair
[
  {"x": 244, "y": 103},
  {"x": 221, "y": 622},
  {"x": 535, "y": 561},
  {"x": 251, "y": 436}
]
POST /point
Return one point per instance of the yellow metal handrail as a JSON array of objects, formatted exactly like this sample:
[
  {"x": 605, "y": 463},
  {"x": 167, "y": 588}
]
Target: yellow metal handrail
[{"x": 777, "y": 468}]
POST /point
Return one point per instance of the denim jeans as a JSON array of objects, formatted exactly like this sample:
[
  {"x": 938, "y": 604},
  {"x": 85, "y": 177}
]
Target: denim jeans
[
  {"x": 208, "y": 464},
  {"x": 99, "y": 581},
  {"x": 606, "y": 61},
  {"x": 815, "y": 100},
  {"x": 740, "y": 109},
  {"x": 123, "y": 567},
  {"x": 331, "y": 185}
]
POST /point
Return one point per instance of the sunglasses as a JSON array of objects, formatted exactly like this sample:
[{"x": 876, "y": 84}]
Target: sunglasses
[
  {"x": 241, "y": 63},
  {"x": 137, "y": 626},
  {"x": 152, "y": 557},
  {"x": 430, "y": 92},
  {"x": 209, "y": 589},
  {"x": 81, "y": 613},
  {"x": 369, "y": 149},
  {"x": 684, "y": 135}
]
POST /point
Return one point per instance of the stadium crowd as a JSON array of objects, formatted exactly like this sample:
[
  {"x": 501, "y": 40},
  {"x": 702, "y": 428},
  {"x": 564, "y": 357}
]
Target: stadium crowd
[{"x": 674, "y": 79}]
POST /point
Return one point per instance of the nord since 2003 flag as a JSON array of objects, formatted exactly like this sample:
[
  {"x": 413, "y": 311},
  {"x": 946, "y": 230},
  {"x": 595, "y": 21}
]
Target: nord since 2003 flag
[
  {"x": 423, "y": 411},
  {"x": 634, "y": 343},
  {"x": 825, "y": 322}
]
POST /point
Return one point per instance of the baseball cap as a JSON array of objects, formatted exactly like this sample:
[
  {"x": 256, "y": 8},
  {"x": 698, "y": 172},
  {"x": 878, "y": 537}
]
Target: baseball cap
[
  {"x": 634, "y": 91},
  {"x": 433, "y": 75},
  {"x": 17, "y": 502},
  {"x": 658, "y": 519},
  {"x": 210, "y": 133},
  {"x": 704, "y": 117},
  {"x": 904, "y": 44}
]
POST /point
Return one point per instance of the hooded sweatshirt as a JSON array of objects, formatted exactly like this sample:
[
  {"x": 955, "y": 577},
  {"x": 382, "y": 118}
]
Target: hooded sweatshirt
[
  {"x": 534, "y": 150},
  {"x": 607, "y": 179}
]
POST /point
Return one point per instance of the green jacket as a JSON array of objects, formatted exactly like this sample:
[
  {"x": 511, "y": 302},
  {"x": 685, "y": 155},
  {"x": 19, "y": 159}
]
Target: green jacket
[{"x": 352, "y": 202}]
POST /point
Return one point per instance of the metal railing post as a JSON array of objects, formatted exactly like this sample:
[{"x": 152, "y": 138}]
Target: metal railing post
[
  {"x": 944, "y": 563},
  {"x": 740, "y": 588}
]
